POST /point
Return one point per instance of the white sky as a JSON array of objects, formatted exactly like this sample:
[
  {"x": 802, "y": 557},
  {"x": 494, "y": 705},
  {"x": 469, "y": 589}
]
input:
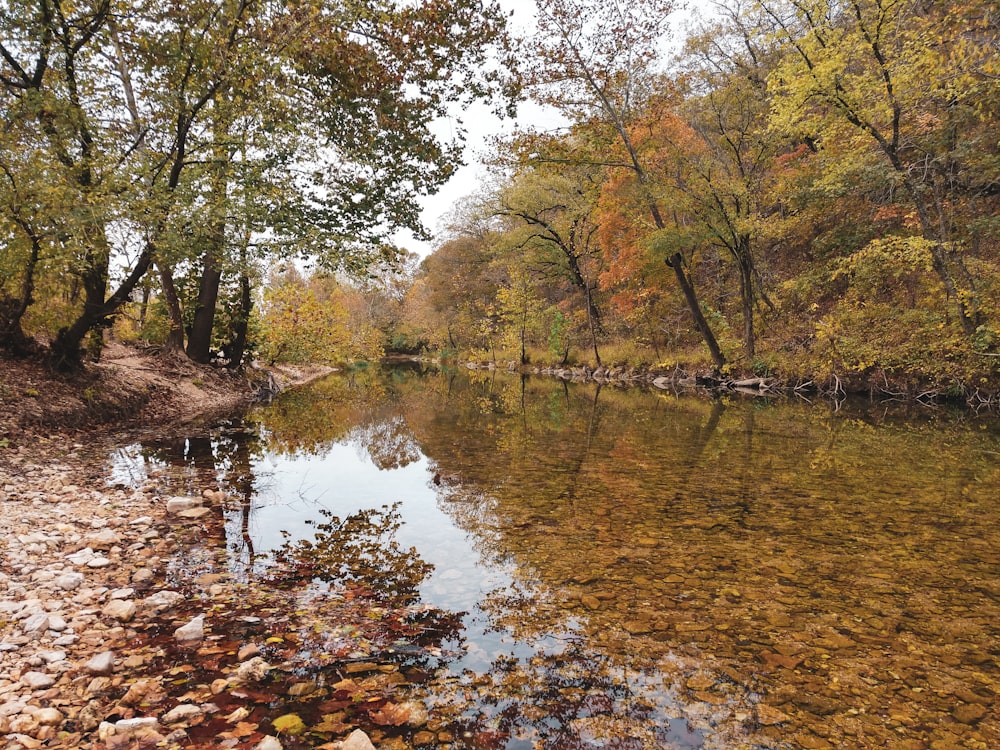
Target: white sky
[{"x": 482, "y": 125}]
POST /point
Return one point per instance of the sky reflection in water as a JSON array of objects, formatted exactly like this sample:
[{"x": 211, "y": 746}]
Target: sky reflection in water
[{"x": 644, "y": 571}]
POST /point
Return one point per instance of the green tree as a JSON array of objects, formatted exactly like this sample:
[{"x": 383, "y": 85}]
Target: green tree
[{"x": 863, "y": 72}]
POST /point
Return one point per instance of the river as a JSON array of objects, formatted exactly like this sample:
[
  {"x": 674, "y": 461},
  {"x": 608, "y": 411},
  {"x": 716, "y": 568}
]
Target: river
[{"x": 641, "y": 569}]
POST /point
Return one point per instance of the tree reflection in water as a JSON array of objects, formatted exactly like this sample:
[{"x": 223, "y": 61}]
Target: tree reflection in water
[{"x": 773, "y": 574}]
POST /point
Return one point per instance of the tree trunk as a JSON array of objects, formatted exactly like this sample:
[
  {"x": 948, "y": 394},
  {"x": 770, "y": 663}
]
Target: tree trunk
[
  {"x": 238, "y": 346},
  {"x": 200, "y": 337},
  {"x": 66, "y": 353},
  {"x": 12, "y": 309},
  {"x": 676, "y": 262},
  {"x": 745, "y": 263},
  {"x": 175, "y": 338}
]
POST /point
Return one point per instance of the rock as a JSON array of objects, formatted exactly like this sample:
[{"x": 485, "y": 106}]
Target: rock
[
  {"x": 101, "y": 664},
  {"x": 772, "y": 660},
  {"x": 144, "y": 692},
  {"x": 12, "y": 708},
  {"x": 768, "y": 716},
  {"x": 185, "y": 712},
  {"x": 98, "y": 562},
  {"x": 254, "y": 670},
  {"x": 357, "y": 740},
  {"x": 81, "y": 557},
  {"x": 36, "y": 623},
  {"x": 192, "y": 631},
  {"x": 49, "y": 716},
  {"x": 177, "y": 504},
  {"x": 119, "y": 609},
  {"x": 590, "y": 602},
  {"x": 37, "y": 680},
  {"x": 104, "y": 540},
  {"x": 300, "y": 689},
  {"x": 23, "y": 724},
  {"x": 143, "y": 578},
  {"x": 57, "y": 623},
  {"x": 193, "y": 513},
  {"x": 69, "y": 581},
  {"x": 162, "y": 600},
  {"x": 700, "y": 681},
  {"x": 968, "y": 713}
]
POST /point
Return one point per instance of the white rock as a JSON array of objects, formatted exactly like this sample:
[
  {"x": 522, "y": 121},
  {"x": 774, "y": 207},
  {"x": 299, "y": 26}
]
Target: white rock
[
  {"x": 49, "y": 717},
  {"x": 101, "y": 664},
  {"x": 119, "y": 609},
  {"x": 162, "y": 600},
  {"x": 357, "y": 740},
  {"x": 36, "y": 623},
  {"x": 98, "y": 562},
  {"x": 192, "y": 631},
  {"x": 253, "y": 670},
  {"x": 57, "y": 623},
  {"x": 37, "y": 680},
  {"x": 183, "y": 712},
  {"x": 12, "y": 708},
  {"x": 53, "y": 656},
  {"x": 122, "y": 593},
  {"x": 81, "y": 557},
  {"x": 177, "y": 504}
]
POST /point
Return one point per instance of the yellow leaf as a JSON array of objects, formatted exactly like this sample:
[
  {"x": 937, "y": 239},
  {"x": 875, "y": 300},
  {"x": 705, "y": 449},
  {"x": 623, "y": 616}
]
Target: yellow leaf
[{"x": 289, "y": 724}]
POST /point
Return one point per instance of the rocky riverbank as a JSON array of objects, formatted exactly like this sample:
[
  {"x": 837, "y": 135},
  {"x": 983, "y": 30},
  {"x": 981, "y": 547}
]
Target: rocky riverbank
[
  {"x": 112, "y": 637},
  {"x": 110, "y": 634}
]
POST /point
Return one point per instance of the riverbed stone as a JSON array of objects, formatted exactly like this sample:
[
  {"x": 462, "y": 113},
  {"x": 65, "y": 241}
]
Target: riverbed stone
[
  {"x": 120, "y": 609},
  {"x": 192, "y": 631},
  {"x": 184, "y": 713},
  {"x": 37, "y": 680},
  {"x": 101, "y": 664},
  {"x": 69, "y": 581},
  {"x": 49, "y": 716},
  {"x": 969, "y": 713},
  {"x": 357, "y": 740},
  {"x": 177, "y": 504}
]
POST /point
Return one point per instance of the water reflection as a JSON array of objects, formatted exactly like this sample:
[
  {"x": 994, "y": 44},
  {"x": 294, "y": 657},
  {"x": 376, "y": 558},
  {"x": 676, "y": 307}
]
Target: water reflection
[{"x": 644, "y": 571}]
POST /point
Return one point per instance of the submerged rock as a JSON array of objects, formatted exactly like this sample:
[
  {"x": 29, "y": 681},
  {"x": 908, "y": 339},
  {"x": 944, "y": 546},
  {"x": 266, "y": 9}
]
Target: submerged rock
[{"x": 192, "y": 631}]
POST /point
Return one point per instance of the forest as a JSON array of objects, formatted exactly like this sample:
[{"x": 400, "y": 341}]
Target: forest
[{"x": 799, "y": 189}]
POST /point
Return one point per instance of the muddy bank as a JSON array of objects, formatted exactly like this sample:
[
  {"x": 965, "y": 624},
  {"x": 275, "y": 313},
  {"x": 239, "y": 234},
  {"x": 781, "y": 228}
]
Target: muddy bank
[{"x": 129, "y": 388}]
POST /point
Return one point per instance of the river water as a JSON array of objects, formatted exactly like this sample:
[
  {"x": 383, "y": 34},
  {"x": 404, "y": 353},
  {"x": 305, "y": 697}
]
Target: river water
[{"x": 636, "y": 569}]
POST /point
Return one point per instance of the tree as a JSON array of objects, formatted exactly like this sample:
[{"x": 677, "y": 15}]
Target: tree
[
  {"x": 553, "y": 233},
  {"x": 594, "y": 61},
  {"x": 173, "y": 133},
  {"x": 863, "y": 71}
]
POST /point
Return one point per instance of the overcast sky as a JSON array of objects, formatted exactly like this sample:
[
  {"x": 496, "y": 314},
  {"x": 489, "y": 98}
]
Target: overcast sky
[{"x": 482, "y": 125}]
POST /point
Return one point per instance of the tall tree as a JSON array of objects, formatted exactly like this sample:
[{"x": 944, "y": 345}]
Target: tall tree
[{"x": 596, "y": 63}]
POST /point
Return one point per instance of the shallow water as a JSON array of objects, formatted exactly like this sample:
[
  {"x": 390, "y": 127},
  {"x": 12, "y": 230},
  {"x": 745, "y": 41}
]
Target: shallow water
[{"x": 640, "y": 570}]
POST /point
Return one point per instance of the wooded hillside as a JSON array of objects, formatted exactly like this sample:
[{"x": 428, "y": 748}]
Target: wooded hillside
[{"x": 811, "y": 190}]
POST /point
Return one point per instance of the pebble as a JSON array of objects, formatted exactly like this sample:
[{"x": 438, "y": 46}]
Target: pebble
[
  {"x": 37, "y": 680},
  {"x": 101, "y": 664},
  {"x": 119, "y": 609},
  {"x": 192, "y": 631}
]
